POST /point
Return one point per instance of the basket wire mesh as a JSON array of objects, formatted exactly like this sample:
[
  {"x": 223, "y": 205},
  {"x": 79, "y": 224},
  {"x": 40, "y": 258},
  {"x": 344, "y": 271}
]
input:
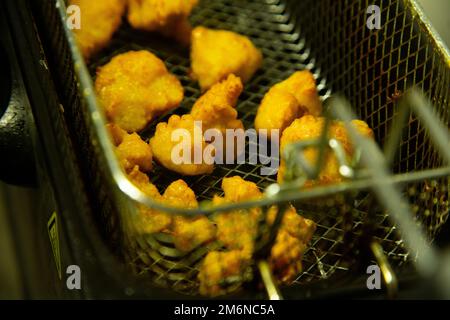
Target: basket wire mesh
[{"x": 371, "y": 68}]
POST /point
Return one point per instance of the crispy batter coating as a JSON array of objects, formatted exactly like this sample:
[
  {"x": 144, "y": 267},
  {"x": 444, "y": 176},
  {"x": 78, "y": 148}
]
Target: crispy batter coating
[
  {"x": 310, "y": 127},
  {"x": 302, "y": 86},
  {"x": 216, "y": 108},
  {"x": 178, "y": 194},
  {"x": 150, "y": 220},
  {"x": 136, "y": 86},
  {"x": 131, "y": 150},
  {"x": 220, "y": 268},
  {"x": 189, "y": 233},
  {"x": 288, "y": 100},
  {"x": 237, "y": 229},
  {"x": 163, "y": 146},
  {"x": 293, "y": 223},
  {"x": 237, "y": 189},
  {"x": 293, "y": 237},
  {"x": 99, "y": 20},
  {"x": 217, "y": 53},
  {"x": 170, "y": 17},
  {"x": 286, "y": 257}
]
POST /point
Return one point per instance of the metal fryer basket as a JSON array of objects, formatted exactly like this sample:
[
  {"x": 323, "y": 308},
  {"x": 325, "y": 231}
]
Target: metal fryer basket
[{"x": 328, "y": 37}]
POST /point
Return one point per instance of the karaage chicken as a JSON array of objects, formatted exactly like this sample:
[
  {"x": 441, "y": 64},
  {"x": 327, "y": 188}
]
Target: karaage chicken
[
  {"x": 216, "y": 108},
  {"x": 169, "y": 17},
  {"x": 215, "y": 54},
  {"x": 179, "y": 146},
  {"x": 219, "y": 270},
  {"x": 99, "y": 20},
  {"x": 310, "y": 127},
  {"x": 287, "y": 101},
  {"x": 131, "y": 150},
  {"x": 188, "y": 233},
  {"x": 293, "y": 236},
  {"x": 237, "y": 229},
  {"x": 150, "y": 220},
  {"x": 134, "y": 87}
]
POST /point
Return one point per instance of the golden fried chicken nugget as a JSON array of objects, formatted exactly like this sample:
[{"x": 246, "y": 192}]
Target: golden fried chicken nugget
[
  {"x": 219, "y": 270},
  {"x": 178, "y": 194},
  {"x": 188, "y": 233},
  {"x": 302, "y": 86},
  {"x": 179, "y": 146},
  {"x": 136, "y": 86},
  {"x": 293, "y": 237},
  {"x": 237, "y": 229},
  {"x": 286, "y": 255},
  {"x": 293, "y": 223},
  {"x": 99, "y": 20},
  {"x": 217, "y": 53},
  {"x": 288, "y": 100},
  {"x": 216, "y": 108},
  {"x": 131, "y": 150},
  {"x": 310, "y": 127},
  {"x": 170, "y": 17},
  {"x": 237, "y": 189},
  {"x": 150, "y": 220}
]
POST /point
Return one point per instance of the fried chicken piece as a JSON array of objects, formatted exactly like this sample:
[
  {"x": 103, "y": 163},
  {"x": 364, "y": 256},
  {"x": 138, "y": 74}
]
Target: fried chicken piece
[
  {"x": 217, "y": 53},
  {"x": 288, "y": 100},
  {"x": 167, "y": 145},
  {"x": 99, "y": 20},
  {"x": 150, "y": 220},
  {"x": 216, "y": 108},
  {"x": 286, "y": 255},
  {"x": 178, "y": 194},
  {"x": 170, "y": 17},
  {"x": 131, "y": 150},
  {"x": 188, "y": 233},
  {"x": 136, "y": 86},
  {"x": 293, "y": 223},
  {"x": 310, "y": 127},
  {"x": 219, "y": 270},
  {"x": 294, "y": 235},
  {"x": 237, "y": 229},
  {"x": 237, "y": 189}
]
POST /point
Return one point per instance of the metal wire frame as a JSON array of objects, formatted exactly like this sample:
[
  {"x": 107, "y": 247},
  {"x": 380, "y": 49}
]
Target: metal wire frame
[{"x": 285, "y": 55}]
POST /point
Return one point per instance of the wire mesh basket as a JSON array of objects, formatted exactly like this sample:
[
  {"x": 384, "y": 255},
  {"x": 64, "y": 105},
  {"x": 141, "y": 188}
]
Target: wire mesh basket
[{"x": 372, "y": 68}]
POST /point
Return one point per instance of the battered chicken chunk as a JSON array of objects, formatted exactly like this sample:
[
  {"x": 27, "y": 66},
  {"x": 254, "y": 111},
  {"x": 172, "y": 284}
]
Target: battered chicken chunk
[
  {"x": 309, "y": 127},
  {"x": 216, "y": 108},
  {"x": 219, "y": 270},
  {"x": 170, "y": 17},
  {"x": 99, "y": 20},
  {"x": 134, "y": 87},
  {"x": 131, "y": 150},
  {"x": 237, "y": 229},
  {"x": 188, "y": 233},
  {"x": 288, "y": 100},
  {"x": 181, "y": 138},
  {"x": 150, "y": 220},
  {"x": 286, "y": 257},
  {"x": 293, "y": 223},
  {"x": 217, "y": 53},
  {"x": 293, "y": 237}
]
